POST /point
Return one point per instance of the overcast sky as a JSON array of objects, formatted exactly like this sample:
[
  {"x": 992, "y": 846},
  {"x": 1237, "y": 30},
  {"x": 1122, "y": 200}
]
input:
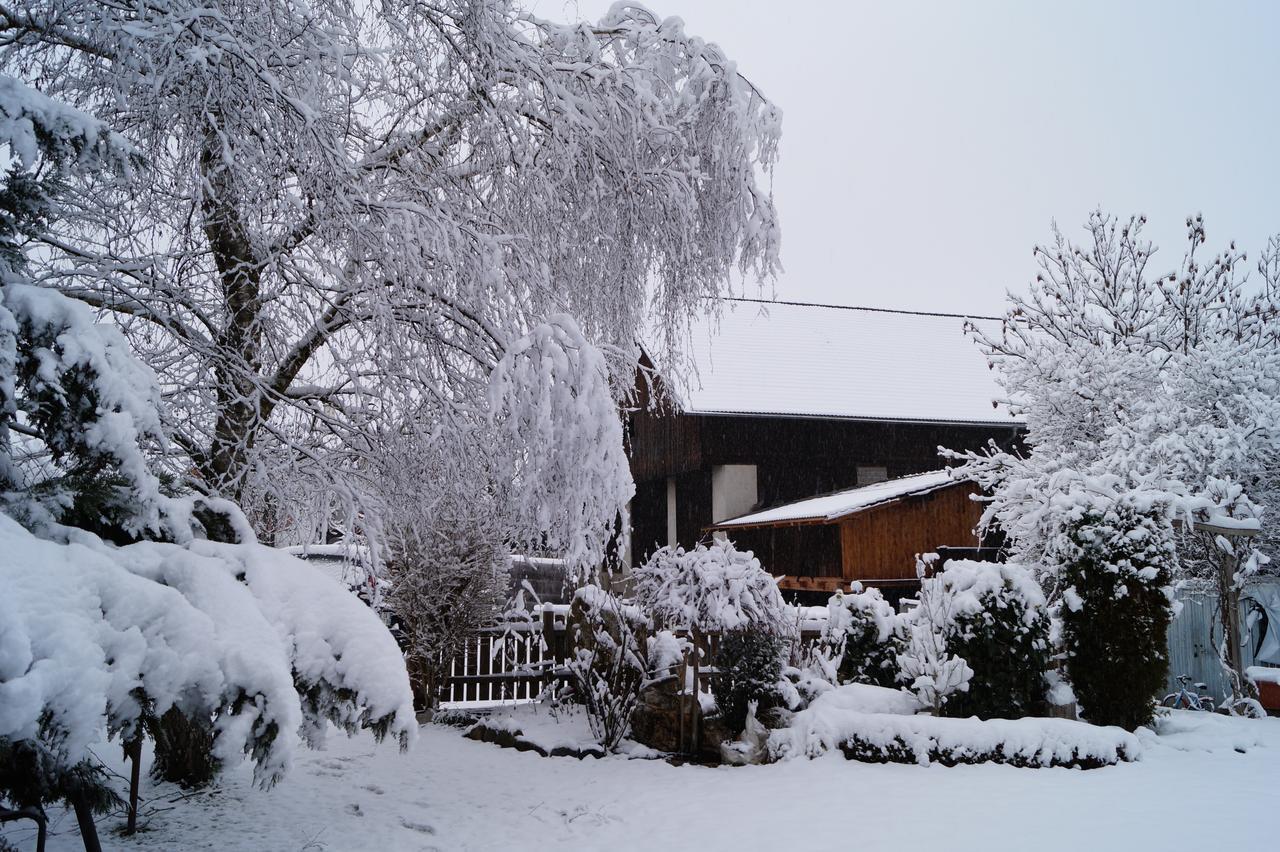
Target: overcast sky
[{"x": 927, "y": 146}]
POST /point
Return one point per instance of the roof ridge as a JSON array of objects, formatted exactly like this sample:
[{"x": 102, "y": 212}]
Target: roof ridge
[{"x": 856, "y": 308}]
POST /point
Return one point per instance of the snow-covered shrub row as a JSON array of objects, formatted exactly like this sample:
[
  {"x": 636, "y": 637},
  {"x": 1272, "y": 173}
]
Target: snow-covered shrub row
[
  {"x": 94, "y": 637},
  {"x": 715, "y": 588},
  {"x": 999, "y": 626},
  {"x": 859, "y": 638},
  {"x": 1029, "y": 742},
  {"x": 880, "y": 725}
]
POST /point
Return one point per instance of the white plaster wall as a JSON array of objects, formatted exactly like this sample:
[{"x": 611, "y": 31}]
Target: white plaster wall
[{"x": 733, "y": 490}]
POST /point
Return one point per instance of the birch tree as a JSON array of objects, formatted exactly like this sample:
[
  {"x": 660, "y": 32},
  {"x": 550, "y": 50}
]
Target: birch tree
[{"x": 349, "y": 216}]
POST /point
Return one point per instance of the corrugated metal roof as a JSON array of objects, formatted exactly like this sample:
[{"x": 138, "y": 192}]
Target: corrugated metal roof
[
  {"x": 795, "y": 359},
  {"x": 831, "y": 507}
]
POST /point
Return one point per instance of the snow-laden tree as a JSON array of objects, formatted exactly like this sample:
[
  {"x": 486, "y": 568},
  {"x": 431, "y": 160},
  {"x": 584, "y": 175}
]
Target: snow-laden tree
[
  {"x": 119, "y": 611},
  {"x": 711, "y": 588},
  {"x": 351, "y": 215},
  {"x": 926, "y": 664},
  {"x": 1166, "y": 384}
]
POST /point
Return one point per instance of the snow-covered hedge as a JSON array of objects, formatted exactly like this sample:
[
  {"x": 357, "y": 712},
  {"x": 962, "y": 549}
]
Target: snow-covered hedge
[
  {"x": 715, "y": 588},
  {"x": 1118, "y": 560},
  {"x": 880, "y": 725}
]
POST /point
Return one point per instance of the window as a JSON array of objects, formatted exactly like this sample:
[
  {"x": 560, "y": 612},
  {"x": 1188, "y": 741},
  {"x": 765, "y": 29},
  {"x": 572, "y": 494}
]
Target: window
[{"x": 870, "y": 474}]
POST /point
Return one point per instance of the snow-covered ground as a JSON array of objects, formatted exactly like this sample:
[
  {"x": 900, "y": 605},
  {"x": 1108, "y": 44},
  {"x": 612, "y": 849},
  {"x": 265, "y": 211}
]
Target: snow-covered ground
[{"x": 1207, "y": 782}]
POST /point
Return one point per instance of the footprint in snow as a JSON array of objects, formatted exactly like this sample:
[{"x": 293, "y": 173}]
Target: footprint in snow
[
  {"x": 420, "y": 827},
  {"x": 373, "y": 788},
  {"x": 354, "y": 810}
]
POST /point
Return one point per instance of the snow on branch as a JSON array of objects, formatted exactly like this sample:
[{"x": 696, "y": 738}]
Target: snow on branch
[{"x": 715, "y": 588}]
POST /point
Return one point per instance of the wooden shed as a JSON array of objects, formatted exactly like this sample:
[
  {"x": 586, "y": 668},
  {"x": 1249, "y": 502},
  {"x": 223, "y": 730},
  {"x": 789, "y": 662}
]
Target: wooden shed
[{"x": 871, "y": 534}]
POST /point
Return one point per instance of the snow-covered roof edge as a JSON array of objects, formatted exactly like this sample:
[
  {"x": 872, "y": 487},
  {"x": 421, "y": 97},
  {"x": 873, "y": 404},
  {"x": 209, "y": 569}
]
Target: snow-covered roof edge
[{"x": 831, "y": 507}]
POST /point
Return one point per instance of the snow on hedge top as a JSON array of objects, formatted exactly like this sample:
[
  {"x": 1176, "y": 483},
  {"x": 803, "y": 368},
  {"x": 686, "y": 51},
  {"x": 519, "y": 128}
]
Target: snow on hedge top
[
  {"x": 968, "y": 582},
  {"x": 829, "y": 507},
  {"x": 829, "y": 361}
]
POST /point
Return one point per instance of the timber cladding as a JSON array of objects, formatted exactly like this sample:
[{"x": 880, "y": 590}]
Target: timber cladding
[
  {"x": 881, "y": 543},
  {"x": 873, "y": 545}
]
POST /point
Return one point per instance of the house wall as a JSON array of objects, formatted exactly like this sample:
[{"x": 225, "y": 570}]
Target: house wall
[
  {"x": 794, "y": 457},
  {"x": 811, "y": 550},
  {"x": 734, "y": 490},
  {"x": 882, "y": 543}
]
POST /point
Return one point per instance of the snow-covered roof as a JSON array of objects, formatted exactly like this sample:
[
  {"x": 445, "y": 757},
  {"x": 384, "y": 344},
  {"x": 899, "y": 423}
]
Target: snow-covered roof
[
  {"x": 786, "y": 358},
  {"x": 830, "y": 507}
]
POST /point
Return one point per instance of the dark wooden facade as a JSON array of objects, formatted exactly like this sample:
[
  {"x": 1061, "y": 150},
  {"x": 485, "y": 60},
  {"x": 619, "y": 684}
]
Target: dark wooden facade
[{"x": 795, "y": 458}]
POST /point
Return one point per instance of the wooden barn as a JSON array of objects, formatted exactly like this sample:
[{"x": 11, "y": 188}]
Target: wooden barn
[
  {"x": 786, "y": 401},
  {"x": 870, "y": 534}
]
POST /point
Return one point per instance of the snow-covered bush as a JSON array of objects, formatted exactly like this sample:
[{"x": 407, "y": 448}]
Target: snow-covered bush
[
  {"x": 607, "y": 665},
  {"x": 926, "y": 663},
  {"x": 99, "y": 638},
  {"x": 860, "y": 638},
  {"x": 748, "y": 669},
  {"x": 711, "y": 589},
  {"x": 1000, "y": 627},
  {"x": 1118, "y": 558}
]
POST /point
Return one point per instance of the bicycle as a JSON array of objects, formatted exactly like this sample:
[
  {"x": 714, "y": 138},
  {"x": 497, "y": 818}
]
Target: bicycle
[{"x": 1185, "y": 699}]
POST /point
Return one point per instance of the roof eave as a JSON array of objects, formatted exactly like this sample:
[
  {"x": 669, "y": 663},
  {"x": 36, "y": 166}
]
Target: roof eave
[{"x": 799, "y": 415}]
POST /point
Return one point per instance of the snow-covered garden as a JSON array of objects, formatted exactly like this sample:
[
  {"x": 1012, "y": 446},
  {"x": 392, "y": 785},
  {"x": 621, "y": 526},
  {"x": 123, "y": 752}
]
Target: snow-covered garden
[{"x": 277, "y": 273}]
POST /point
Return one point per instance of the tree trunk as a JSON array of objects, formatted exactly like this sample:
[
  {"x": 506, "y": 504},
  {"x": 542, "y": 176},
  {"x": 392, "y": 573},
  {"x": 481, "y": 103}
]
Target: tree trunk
[
  {"x": 84, "y": 818},
  {"x": 1229, "y": 615},
  {"x": 133, "y": 751},
  {"x": 184, "y": 750},
  {"x": 238, "y": 373}
]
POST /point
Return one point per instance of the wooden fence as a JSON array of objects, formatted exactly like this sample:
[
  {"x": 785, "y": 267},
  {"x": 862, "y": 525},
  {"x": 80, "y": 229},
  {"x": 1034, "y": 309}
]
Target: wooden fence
[
  {"x": 508, "y": 663},
  {"x": 513, "y": 663}
]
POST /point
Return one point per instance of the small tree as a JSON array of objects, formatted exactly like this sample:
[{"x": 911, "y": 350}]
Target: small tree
[
  {"x": 1118, "y": 558},
  {"x": 926, "y": 663},
  {"x": 608, "y": 666},
  {"x": 448, "y": 580},
  {"x": 861, "y": 638},
  {"x": 1000, "y": 627}
]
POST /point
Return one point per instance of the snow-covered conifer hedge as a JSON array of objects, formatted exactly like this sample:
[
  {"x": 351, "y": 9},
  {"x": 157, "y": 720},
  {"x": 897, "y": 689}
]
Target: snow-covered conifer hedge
[
  {"x": 1000, "y": 627},
  {"x": 860, "y": 638}
]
